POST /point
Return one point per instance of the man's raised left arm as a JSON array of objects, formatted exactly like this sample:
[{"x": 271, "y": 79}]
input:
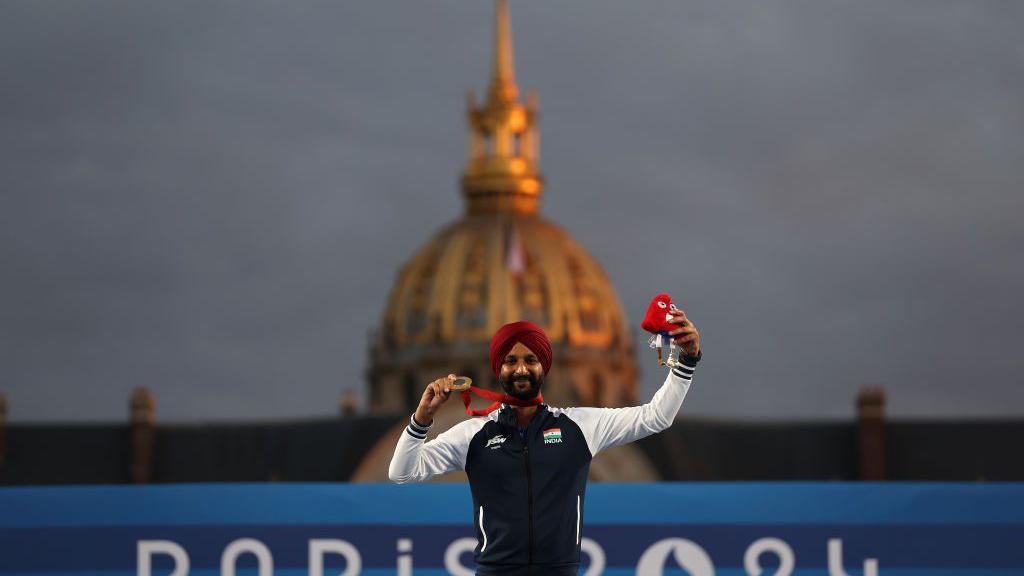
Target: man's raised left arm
[{"x": 607, "y": 427}]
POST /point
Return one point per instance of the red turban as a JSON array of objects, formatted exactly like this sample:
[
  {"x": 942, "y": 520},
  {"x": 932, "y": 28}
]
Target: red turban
[{"x": 531, "y": 335}]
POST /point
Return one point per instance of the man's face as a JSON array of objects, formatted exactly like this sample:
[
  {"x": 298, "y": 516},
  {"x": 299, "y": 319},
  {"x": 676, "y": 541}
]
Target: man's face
[{"x": 521, "y": 373}]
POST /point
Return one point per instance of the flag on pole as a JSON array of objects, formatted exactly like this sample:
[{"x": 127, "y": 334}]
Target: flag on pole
[{"x": 515, "y": 256}]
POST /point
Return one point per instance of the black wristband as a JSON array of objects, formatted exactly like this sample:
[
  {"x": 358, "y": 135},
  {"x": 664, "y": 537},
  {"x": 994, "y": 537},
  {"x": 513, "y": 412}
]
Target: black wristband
[
  {"x": 417, "y": 426},
  {"x": 692, "y": 361}
]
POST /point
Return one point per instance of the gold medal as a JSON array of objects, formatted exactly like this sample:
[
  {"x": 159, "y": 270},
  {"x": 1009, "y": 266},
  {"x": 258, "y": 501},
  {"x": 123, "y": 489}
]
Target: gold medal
[{"x": 461, "y": 383}]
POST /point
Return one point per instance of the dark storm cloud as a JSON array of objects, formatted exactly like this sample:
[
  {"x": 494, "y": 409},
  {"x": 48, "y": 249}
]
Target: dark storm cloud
[{"x": 212, "y": 200}]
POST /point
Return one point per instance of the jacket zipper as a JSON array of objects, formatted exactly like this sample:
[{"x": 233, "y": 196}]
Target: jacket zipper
[
  {"x": 529, "y": 493},
  {"x": 483, "y": 546},
  {"x": 577, "y": 518}
]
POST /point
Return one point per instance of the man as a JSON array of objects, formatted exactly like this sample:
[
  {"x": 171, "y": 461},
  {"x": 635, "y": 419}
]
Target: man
[{"x": 527, "y": 462}]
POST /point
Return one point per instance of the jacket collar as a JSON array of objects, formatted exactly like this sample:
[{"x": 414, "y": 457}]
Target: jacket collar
[{"x": 507, "y": 416}]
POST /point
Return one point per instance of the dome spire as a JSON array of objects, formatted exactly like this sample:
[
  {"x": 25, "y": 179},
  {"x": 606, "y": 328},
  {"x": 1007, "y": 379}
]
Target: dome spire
[
  {"x": 503, "y": 70},
  {"x": 501, "y": 173}
]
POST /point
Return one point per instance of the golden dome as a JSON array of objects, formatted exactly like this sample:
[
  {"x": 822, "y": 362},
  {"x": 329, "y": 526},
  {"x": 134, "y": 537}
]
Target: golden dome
[
  {"x": 502, "y": 262},
  {"x": 486, "y": 270}
]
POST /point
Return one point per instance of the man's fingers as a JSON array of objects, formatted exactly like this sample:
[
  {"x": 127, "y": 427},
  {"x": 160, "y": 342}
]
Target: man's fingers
[
  {"x": 686, "y": 339},
  {"x": 436, "y": 396},
  {"x": 683, "y": 330},
  {"x": 434, "y": 389},
  {"x": 438, "y": 391},
  {"x": 443, "y": 388}
]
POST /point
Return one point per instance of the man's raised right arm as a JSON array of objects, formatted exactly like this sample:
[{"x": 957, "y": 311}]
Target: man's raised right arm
[{"x": 415, "y": 459}]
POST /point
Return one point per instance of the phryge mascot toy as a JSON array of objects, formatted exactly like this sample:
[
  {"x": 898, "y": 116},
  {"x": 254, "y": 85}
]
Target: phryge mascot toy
[{"x": 656, "y": 321}]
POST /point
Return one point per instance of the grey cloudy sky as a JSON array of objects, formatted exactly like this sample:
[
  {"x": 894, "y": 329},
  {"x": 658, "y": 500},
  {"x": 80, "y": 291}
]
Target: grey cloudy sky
[{"x": 211, "y": 199}]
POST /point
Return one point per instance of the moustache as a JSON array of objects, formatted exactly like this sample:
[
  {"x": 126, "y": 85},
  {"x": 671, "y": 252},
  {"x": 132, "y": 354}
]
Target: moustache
[{"x": 509, "y": 385}]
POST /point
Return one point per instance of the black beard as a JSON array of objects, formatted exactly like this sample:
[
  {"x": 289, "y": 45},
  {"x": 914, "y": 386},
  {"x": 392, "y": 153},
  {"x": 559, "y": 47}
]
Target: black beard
[{"x": 508, "y": 385}]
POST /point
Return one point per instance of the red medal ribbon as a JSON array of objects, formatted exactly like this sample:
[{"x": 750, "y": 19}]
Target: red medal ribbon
[{"x": 498, "y": 398}]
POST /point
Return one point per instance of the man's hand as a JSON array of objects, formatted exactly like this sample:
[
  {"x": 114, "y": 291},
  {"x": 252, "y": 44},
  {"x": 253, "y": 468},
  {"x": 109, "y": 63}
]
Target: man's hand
[
  {"x": 686, "y": 336},
  {"x": 436, "y": 394}
]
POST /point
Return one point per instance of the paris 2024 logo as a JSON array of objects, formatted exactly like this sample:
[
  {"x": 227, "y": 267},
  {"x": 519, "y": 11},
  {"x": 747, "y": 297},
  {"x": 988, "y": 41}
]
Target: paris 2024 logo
[{"x": 659, "y": 556}]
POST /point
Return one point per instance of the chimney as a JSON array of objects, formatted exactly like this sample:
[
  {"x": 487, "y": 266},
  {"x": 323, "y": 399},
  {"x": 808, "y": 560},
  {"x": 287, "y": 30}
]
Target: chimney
[
  {"x": 348, "y": 404},
  {"x": 871, "y": 432},
  {"x": 143, "y": 420}
]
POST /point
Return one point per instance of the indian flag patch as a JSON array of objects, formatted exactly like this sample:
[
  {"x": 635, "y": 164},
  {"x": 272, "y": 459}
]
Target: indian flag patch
[{"x": 553, "y": 436}]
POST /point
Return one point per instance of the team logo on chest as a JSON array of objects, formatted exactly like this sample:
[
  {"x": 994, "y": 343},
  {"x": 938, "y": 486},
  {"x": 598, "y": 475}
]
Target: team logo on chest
[
  {"x": 495, "y": 442},
  {"x": 553, "y": 436}
]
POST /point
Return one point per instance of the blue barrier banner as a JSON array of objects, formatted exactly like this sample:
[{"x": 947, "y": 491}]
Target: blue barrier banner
[{"x": 700, "y": 529}]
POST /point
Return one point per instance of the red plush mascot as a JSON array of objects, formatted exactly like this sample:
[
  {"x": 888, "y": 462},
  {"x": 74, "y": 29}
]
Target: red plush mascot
[{"x": 656, "y": 321}]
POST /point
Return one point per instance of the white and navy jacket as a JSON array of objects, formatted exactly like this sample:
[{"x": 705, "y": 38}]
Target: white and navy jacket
[{"x": 528, "y": 497}]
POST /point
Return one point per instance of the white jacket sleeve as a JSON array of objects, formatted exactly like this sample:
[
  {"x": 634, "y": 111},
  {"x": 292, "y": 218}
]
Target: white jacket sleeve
[
  {"x": 608, "y": 427},
  {"x": 416, "y": 460}
]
